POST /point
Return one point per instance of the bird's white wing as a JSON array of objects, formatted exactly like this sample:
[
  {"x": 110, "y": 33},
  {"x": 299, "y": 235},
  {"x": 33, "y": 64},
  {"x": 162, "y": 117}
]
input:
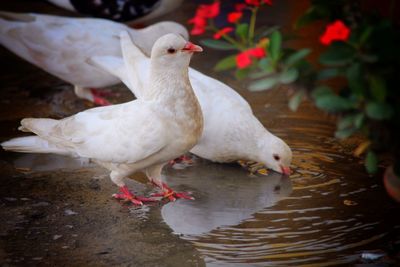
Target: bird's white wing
[
  {"x": 112, "y": 65},
  {"x": 124, "y": 133},
  {"x": 136, "y": 63}
]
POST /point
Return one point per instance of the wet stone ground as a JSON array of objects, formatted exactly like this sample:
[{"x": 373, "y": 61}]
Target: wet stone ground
[{"x": 58, "y": 211}]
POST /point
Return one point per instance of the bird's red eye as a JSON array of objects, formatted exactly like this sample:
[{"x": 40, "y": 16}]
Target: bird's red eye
[
  {"x": 276, "y": 157},
  {"x": 171, "y": 50}
]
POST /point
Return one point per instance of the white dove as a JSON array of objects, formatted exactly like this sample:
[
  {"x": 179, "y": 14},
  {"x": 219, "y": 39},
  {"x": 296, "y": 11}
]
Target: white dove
[
  {"x": 61, "y": 46},
  {"x": 141, "y": 135},
  {"x": 120, "y": 10},
  {"x": 231, "y": 131}
]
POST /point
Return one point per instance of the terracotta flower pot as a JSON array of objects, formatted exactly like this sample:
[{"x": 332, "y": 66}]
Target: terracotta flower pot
[{"x": 392, "y": 183}]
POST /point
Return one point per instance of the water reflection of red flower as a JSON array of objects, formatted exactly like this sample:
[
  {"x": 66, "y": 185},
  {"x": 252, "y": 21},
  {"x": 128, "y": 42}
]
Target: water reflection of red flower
[
  {"x": 336, "y": 31},
  {"x": 244, "y": 59},
  {"x": 223, "y": 31}
]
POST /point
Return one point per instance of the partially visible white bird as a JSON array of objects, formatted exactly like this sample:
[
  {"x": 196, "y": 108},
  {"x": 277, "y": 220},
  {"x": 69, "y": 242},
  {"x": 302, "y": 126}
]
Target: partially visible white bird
[
  {"x": 231, "y": 131},
  {"x": 120, "y": 10},
  {"x": 61, "y": 46},
  {"x": 143, "y": 134}
]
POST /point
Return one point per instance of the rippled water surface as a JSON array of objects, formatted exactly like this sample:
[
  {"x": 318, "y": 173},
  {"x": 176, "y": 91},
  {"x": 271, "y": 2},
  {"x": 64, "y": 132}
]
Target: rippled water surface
[{"x": 326, "y": 213}]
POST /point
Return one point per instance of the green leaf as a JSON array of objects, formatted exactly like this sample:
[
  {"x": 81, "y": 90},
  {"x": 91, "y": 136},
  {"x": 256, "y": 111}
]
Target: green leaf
[
  {"x": 333, "y": 103},
  {"x": 242, "y": 30},
  {"x": 345, "y": 122},
  {"x": 359, "y": 120},
  {"x": 355, "y": 78},
  {"x": 328, "y": 73},
  {"x": 321, "y": 91},
  {"x": 338, "y": 53},
  {"x": 274, "y": 48},
  {"x": 379, "y": 111},
  {"x": 344, "y": 133},
  {"x": 242, "y": 73},
  {"x": 295, "y": 100},
  {"x": 377, "y": 88},
  {"x": 264, "y": 84},
  {"x": 218, "y": 44},
  {"x": 289, "y": 76},
  {"x": 371, "y": 162},
  {"x": 266, "y": 65},
  {"x": 297, "y": 56},
  {"x": 226, "y": 63}
]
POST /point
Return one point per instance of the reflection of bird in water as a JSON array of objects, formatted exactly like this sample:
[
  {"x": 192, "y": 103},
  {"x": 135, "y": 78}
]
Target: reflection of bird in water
[
  {"x": 231, "y": 131},
  {"x": 61, "y": 46},
  {"x": 225, "y": 195},
  {"x": 49, "y": 162},
  {"x": 120, "y": 10}
]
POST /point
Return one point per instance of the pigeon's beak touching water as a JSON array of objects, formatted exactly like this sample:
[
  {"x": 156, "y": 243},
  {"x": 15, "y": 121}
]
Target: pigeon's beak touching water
[
  {"x": 285, "y": 170},
  {"x": 191, "y": 47}
]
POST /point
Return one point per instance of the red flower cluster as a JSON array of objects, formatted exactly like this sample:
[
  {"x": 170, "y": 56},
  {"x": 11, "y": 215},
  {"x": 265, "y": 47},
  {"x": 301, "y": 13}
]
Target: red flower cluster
[
  {"x": 336, "y": 31},
  {"x": 223, "y": 31},
  {"x": 258, "y": 2},
  {"x": 203, "y": 13},
  {"x": 244, "y": 59}
]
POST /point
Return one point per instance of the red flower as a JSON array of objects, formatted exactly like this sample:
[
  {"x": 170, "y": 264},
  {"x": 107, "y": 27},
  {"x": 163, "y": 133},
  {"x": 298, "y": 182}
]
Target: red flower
[
  {"x": 253, "y": 2},
  {"x": 256, "y": 52},
  {"x": 208, "y": 11},
  {"x": 239, "y": 7},
  {"x": 234, "y": 17},
  {"x": 203, "y": 13},
  {"x": 336, "y": 31},
  {"x": 223, "y": 31},
  {"x": 244, "y": 59}
]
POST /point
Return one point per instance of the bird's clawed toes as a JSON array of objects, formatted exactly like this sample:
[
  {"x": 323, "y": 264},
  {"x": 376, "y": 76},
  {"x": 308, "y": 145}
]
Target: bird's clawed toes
[
  {"x": 98, "y": 97},
  {"x": 127, "y": 195},
  {"x": 171, "y": 195}
]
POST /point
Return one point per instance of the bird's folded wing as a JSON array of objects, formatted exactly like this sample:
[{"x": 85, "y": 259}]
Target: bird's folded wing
[
  {"x": 112, "y": 65},
  {"x": 123, "y": 133},
  {"x": 137, "y": 64}
]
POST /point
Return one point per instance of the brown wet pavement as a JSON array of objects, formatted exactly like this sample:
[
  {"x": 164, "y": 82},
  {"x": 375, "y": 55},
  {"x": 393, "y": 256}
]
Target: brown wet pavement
[{"x": 58, "y": 211}]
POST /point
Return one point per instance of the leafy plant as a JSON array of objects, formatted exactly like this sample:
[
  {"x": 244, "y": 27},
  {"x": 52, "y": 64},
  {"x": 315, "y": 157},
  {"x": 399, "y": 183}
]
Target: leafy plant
[{"x": 361, "y": 49}]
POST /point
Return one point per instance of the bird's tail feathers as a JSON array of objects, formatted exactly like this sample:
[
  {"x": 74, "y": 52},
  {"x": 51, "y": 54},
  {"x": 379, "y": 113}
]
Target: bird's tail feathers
[
  {"x": 31, "y": 144},
  {"x": 17, "y": 17},
  {"x": 37, "y": 126}
]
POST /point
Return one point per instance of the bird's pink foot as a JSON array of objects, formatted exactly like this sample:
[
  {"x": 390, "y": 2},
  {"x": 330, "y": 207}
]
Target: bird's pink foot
[
  {"x": 98, "y": 97},
  {"x": 184, "y": 159},
  {"x": 167, "y": 192},
  {"x": 128, "y": 196}
]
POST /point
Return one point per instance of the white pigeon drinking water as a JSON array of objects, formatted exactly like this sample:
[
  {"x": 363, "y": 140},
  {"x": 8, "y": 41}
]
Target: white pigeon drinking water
[
  {"x": 61, "y": 46},
  {"x": 120, "y": 10},
  {"x": 231, "y": 131},
  {"x": 141, "y": 135}
]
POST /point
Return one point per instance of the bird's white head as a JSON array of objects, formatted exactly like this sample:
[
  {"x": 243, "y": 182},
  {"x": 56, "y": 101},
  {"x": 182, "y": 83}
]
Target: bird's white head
[
  {"x": 172, "y": 50},
  {"x": 149, "y": 35},
  {"x": 275, "y": 154}
]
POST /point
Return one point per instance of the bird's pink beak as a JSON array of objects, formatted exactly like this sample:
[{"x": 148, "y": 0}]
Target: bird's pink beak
[
  {"x": 191, "y": 47},
  {"x": 285, "y": 170}
]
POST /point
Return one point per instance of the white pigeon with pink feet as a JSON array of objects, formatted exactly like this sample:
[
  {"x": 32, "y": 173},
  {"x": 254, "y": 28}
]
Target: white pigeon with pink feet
[
  {"x": 141, "y": 135},
  {"x": 61, "y": 46}
]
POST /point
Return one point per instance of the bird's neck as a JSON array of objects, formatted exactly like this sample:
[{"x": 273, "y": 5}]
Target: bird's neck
[{"x": 166, "y": 83}]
